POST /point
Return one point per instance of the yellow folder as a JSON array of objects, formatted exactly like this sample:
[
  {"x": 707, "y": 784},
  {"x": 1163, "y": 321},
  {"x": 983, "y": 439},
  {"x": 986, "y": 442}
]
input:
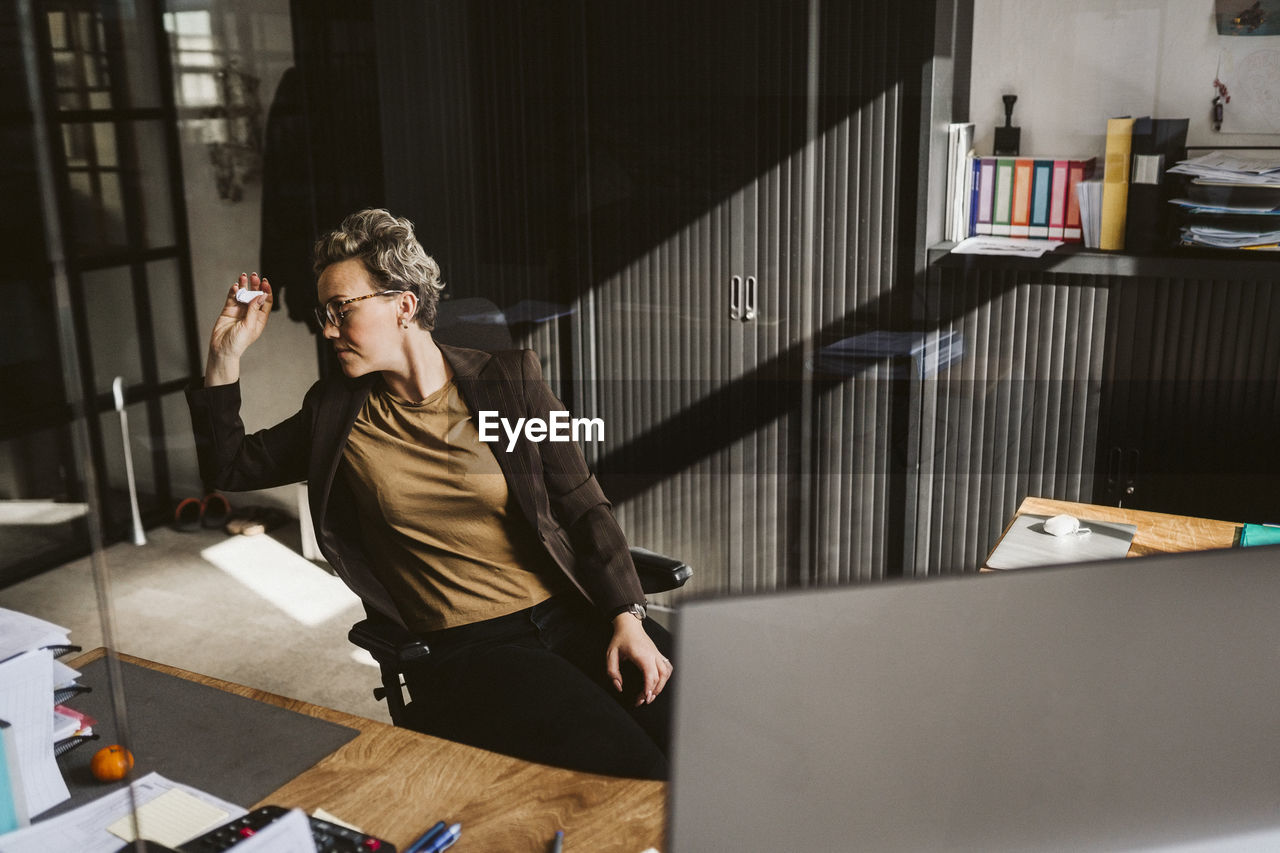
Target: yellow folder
[{"x": 1115, "y": 182}]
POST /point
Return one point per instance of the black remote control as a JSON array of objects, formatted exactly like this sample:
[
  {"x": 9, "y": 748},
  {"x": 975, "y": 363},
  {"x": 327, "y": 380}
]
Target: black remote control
[{"x": 329, "y": 837}]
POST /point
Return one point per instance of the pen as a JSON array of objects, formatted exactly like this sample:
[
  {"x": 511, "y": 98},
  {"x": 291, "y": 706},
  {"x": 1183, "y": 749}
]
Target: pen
[
  {"x": 443, "y": 840},
  {"x": 424, "y": 838},
  {"x": 557, "y": 844}
]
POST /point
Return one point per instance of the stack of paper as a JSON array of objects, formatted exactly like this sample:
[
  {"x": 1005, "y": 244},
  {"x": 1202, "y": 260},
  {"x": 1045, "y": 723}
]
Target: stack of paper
[
  {"x": 929, "y": 351},
  {"x": 1227, "y": 167},
  {"x": 13, "y": 795},
  {"x": 1017, "y": 246},
  {"x": 26, "y": 696},
  {"x": 1089, "y": 197},
  {"x": 168, "y": 812},
  {"x": 1233, "y": 200},
  {"x": 22, "y": 633},
  {"x": 32, "y": 683},
  {"x": 1230, "y": 238},
  {"x": 1255, "y": 207}
]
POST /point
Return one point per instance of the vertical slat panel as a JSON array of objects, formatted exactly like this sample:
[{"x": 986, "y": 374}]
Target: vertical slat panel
[
  {"x": 1018, "y": 415},
  {"x": 666, "y": 351},
  {"x": 858, "y": 185}
]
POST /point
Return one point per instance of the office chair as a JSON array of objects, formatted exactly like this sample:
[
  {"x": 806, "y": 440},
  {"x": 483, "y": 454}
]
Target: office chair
[{"x": 479, "y": 324}]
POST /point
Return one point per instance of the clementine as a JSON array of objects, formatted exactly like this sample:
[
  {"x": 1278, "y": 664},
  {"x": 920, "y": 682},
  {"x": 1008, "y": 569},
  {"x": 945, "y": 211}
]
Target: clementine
[{"x": 111, "y": 763}]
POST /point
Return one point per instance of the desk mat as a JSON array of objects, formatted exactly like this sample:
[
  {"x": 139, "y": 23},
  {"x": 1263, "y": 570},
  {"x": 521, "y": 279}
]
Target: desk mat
[
  {"x": 235, "y": 748},
  {"x": 1026, "y": 544}
]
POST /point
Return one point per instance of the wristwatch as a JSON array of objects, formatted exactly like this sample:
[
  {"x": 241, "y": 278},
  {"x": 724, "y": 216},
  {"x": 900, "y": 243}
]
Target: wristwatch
[{"x": 637, "y": 610}]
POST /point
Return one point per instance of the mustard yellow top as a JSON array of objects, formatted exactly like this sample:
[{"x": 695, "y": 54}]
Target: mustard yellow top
[{"x": 442, "y": 531}]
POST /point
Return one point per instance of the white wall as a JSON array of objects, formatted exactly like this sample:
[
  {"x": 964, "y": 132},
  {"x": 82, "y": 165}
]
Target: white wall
[
  {"x": 225, "y": 235},
  {"x": 1074, "y": 63}
]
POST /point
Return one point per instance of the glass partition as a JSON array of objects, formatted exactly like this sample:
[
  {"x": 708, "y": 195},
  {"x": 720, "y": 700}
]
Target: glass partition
[
  {"x": 695, "y": 214},
  {"x": 707, "y": 219},
  {"x": 96, "y": 349}
]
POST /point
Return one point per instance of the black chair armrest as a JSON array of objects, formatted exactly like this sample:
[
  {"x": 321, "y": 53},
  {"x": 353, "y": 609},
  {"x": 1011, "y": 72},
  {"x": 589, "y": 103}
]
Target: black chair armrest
[
  {"x": 395, "y": 649},
  {"x": 659, "y": 573},
  {"x": 388, "y": 642}
]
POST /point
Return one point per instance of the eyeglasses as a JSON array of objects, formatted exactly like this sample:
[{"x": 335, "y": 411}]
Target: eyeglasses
[{"x": 331, "y": 311}]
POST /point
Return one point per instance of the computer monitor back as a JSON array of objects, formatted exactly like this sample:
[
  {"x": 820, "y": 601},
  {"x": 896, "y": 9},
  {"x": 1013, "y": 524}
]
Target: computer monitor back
[{"x": 1131, "y": 704}]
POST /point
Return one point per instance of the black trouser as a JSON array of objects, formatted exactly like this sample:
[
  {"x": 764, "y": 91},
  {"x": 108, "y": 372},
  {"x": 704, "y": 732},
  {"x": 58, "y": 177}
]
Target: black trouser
[{"x": 532, "y": 684}]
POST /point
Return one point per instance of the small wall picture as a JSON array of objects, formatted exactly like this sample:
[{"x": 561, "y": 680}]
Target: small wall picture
[{"x": 1243, "y": 18}]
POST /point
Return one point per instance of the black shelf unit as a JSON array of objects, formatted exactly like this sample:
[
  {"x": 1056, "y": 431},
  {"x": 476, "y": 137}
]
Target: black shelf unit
[
  {"x": 1150, "y": 381},
  {"x": 1169, "y": 357},
  {"x": 1077, "y": 260}
]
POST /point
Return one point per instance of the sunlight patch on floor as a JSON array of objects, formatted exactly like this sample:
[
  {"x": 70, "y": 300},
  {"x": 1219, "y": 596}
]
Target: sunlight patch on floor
[
  {"x": 301, "y": 590},
  {"x": 40, "y": 512}
]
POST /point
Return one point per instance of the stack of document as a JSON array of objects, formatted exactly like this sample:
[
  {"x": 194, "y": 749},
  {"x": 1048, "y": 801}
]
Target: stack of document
[
  {"x": 1233, "y": 167},
  {"x": 1232, "y": 200},
  {"x": 167, "y": 812},
  {"x": 1089, "y": 197},
  {"x": 930, "y": 351},
  {"x": 1244, "y": 202},
  {"x": 33, "y": 684},
  {"x": 1017, "y": 246},
  {"x": 1239, "y": 237}
]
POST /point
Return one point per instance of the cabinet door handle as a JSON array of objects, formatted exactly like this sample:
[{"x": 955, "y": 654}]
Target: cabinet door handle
[
  {"x": 735, "y": 297},
  {"x": 1131, "y": 459},
  {"x": 1113, "y": 468},
  {"x": 750, "y": 313}
]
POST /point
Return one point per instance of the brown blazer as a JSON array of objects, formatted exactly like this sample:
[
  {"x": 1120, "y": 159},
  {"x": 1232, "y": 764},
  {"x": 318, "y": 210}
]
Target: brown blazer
[{"x": 556, "y": 492}]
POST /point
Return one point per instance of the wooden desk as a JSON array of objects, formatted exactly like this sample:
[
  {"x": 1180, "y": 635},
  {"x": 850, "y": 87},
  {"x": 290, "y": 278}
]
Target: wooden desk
[
  {"x": 1158, "y": 532},
  {"x": 394, "y": 783}
]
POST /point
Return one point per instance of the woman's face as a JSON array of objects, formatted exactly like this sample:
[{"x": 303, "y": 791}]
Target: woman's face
[{"x": 366, "y": 340}]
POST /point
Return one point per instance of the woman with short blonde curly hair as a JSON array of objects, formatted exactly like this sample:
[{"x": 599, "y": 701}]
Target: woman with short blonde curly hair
[
  {"x": 391, "y": 254},
  {"x": 506, "y": 560}
]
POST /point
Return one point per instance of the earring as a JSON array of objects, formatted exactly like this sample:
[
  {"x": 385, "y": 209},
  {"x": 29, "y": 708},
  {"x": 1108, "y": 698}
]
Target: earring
[{"x": 404, "y": 324}]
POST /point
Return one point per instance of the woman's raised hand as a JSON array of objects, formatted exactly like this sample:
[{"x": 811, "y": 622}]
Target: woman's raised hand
[{"x": 237, "y": 327}]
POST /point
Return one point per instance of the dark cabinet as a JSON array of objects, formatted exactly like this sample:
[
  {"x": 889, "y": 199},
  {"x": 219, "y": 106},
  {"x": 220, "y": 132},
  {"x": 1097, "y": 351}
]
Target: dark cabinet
[
  {"x": 694, "y": 116},
  {"x": 1145, "y": 382},
  {"x": 1192, "y": 407},
  {"x": 707, "y": 193}
]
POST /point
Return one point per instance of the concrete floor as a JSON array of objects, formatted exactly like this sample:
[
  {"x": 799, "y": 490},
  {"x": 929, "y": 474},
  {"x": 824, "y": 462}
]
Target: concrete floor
[{"x": 247, "y": 609}]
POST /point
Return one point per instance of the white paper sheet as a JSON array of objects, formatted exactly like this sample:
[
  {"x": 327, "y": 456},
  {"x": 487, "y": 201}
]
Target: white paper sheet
[
  {"x": 324, "y": 815},
  {"x": 63, "y": 675},
  {"x": 84, "y": 830},
  {"x": 1251, "y": 69},
  {"x": 1248, "y": 166},
  {"x": 26, "y": 701},
  {"x": 20, "y": 633},
  {"x": 64, "y": 725},
  {"x": 990, "y": 245},
  {"x": 171, "y": 818}
]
